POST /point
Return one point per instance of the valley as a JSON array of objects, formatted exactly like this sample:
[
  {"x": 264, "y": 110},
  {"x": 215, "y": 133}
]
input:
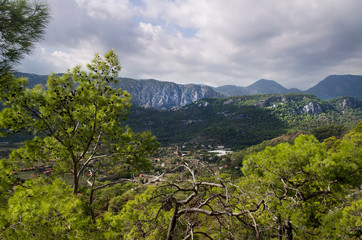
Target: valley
[{"x": 223, "y": 166}]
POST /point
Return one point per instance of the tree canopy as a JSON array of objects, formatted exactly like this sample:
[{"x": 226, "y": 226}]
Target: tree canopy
[
  {"x": 22, "y": 23},
  {"x": 304, "y": 183},
  {"x": 77, "y": 121}
]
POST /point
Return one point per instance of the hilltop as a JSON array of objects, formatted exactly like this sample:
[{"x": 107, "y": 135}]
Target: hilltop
[{"x": 338, "y": 85}]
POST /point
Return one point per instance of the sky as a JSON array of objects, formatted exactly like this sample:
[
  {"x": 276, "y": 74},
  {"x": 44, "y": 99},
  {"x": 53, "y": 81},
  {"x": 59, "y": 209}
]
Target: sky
[{"x": 297, "y": 43}]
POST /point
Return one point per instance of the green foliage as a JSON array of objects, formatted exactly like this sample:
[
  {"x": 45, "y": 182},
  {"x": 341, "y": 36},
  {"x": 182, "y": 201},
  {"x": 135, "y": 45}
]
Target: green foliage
[
  {"x": 138, "y": 219},
  {"x": 111, "y": 198},
  {"x": 345, "y": 161},
  {"x": 304, "y": 184},
  {"x": 22, "y": 23},
  {"x": 325, "y": 132},
  {"x": 6, "y": 191},
  {"x": 237, "y": 157},
  {"x": 5, "y": 182},
  {"x": 305, "y": 188},
  {"x": 344, "y": 222},
  {"x": 41, "y": 210}
]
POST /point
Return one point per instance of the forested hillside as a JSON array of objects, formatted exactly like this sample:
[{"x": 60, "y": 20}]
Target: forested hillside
[{"x": 246, "y": 120}]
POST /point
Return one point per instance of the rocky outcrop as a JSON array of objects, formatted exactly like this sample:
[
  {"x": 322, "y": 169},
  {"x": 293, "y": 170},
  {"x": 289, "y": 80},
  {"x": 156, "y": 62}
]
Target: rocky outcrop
[
  {"x": 347, "y": 102},
  {"x": 312, "y": 108},
  {"x": 164, "y": 95}
]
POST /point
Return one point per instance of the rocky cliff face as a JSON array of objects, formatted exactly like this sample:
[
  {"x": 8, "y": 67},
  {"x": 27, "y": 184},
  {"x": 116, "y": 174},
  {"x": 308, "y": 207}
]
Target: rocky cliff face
[
  {"x": 312, "y": 108},
  {"x": 149, "y": 93},
  {"x": 164, "y": 95}
]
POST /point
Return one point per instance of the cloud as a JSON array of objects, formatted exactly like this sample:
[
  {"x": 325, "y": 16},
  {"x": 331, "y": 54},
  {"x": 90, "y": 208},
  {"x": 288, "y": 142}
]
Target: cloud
[
  {"x": 295, "y": 42},
  {"x": 105, "y": 9}
]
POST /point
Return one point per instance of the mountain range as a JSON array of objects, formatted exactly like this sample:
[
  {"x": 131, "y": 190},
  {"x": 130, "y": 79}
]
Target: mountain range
[
  {"x": 330, "y": 87},
  {"x": 177, "y": 113},
  {"x": 151, "y": 93}
]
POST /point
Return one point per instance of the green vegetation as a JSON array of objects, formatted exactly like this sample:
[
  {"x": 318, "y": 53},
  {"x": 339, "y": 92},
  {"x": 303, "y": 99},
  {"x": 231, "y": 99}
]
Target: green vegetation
[
  {"x": 294, "y": 187},
  {"x": 299, "y": 190},
  {"x": 216, "y": 124},
  {"x": 304, "y": 183},
  {"x": 327, "y": 131}
]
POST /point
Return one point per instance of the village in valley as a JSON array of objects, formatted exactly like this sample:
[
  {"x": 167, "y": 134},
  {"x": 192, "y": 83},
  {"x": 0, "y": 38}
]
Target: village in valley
[{"x": 164, "y": 160}]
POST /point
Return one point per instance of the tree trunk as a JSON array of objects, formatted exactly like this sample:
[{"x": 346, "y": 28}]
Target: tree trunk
[
  {"x": 90, "y": 205},
  {"x": 280, "y": 228},
  {"x": 75, "y": 179},
  {"x": 91, "y": 196},
  {"x": 288, "y": 229},
  {"x": 172, "y": 225}
]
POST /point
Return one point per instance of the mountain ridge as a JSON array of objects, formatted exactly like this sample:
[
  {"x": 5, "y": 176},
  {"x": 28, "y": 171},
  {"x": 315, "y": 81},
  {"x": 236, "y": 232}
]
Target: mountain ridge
[
  {"x": 152, "y": 93},
  {"x": 331, "y": 87},
  {"x": 262, "y": 86}
]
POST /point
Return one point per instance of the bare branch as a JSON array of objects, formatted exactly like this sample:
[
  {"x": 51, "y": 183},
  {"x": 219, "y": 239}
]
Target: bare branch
[
  {"x": 91, "y": 157},
  {"x": 254, "y": 224},
  {"x": 211, "y": 184}
]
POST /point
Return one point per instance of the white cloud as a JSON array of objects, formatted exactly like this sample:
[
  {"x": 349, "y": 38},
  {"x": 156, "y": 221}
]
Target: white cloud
[{"x": 105, "y": 9}]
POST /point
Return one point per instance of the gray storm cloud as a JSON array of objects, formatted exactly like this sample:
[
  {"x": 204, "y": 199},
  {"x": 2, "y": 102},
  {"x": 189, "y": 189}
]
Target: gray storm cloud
[{"x": 296, "y": 43}]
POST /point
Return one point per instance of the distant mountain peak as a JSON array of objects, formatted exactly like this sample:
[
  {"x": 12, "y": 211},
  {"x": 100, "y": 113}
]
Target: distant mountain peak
[
  {"x": 331, "y": 87},
  {"x": 263, "y": 83},
  {"x": 262, "y": 86},
  {"x": 338, "y": 85}
]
